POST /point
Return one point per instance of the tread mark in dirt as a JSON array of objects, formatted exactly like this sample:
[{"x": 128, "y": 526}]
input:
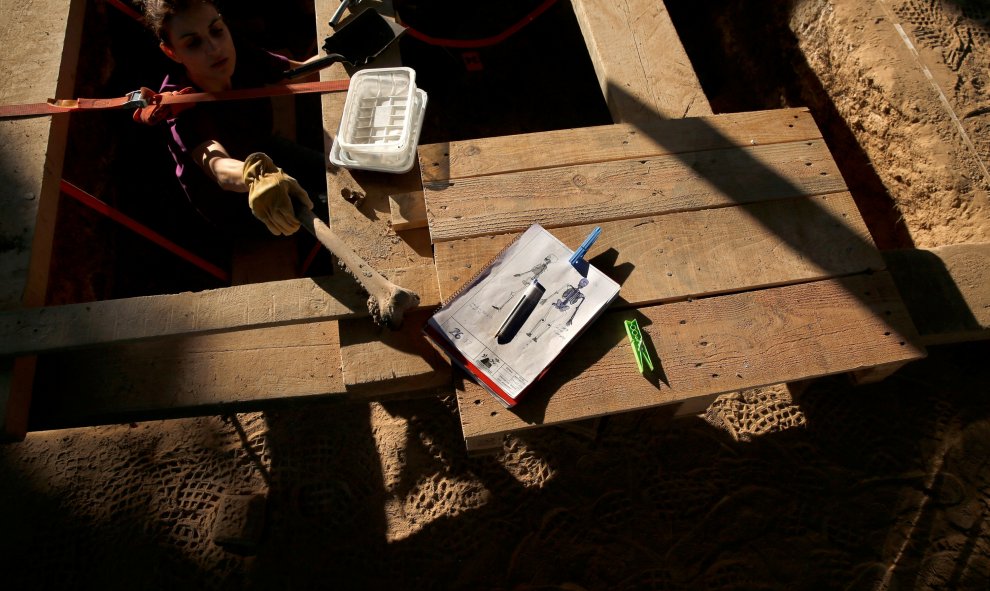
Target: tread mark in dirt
[{"x": 955, "y": 30}]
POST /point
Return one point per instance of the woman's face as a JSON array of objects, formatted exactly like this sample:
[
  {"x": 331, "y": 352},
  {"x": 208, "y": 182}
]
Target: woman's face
[{"x": 200, "y": 41}]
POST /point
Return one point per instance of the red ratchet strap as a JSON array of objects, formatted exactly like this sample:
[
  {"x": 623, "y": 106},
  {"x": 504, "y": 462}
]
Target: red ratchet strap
[
  {"x": 487, "y": 41},
  {"x": 95, "y": 204},
  {"x": 126, "y": 10},
  {"x": 140, "y": 99}
]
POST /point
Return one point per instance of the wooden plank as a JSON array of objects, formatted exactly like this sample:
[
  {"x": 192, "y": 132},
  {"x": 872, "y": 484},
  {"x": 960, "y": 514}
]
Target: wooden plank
[
  {"x": 642, "y": 67},
  {"x": 40, "y": 41},
  {"x": 693, "y": 406},
  {"x": 707, "y": 252},
  {"x": 238, "y": 371},
  {"x": 624, "y": 189},
  {"x": 485, "y": 445},
  {"x": 946, "y": 289},
  {"x": 875, "y": 374},
  {"x": 622, "y": 141},
  {"x": 711, "y": 345},
  {"x": 187, "y": 375},
  {"x": 243, "y": 306},
  {"x": 383, "y": 361},
  {"x": 408, "y": 211},
  {"x": 367, "y": 227}
]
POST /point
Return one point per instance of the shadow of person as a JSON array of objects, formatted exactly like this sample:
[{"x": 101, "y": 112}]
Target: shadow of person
[{"x": 326, "y": 495}]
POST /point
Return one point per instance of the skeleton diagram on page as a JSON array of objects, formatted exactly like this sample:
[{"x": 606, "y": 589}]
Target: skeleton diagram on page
[
  {"x": 570, "y": 299},
  {"x": 529, "y": 276}
]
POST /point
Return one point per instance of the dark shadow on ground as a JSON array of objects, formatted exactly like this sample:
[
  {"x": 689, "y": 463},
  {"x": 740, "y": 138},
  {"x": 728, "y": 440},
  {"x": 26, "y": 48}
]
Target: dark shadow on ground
[
  {"x": 888, "y": 476},
  {"x": 326, "y": 501},
  {"x": 116, "y": 518},
  {"x": 651, "y": 503}
]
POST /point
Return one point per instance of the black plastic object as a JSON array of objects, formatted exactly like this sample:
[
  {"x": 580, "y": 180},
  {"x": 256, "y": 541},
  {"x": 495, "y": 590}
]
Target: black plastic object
[{"x": 357, "y": 42}]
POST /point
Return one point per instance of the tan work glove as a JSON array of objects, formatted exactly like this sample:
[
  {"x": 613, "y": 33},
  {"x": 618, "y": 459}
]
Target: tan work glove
[{"x": 270, "y": 194}]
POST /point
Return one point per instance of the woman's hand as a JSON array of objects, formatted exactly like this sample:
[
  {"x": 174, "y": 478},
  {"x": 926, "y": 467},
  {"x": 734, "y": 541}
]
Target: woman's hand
[{"x": 271, "y": 193}]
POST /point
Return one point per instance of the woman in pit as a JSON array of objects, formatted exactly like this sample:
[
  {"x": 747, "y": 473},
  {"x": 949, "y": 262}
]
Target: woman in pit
[{"x": 225, "y": 149}]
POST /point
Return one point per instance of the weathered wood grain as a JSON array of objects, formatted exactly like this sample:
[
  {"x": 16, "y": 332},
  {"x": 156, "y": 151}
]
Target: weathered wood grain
[
  {"x": 641, "y": 65},
  {"x": 256, "y": 305},
  {"x": 621, "y": 141},
  {"x": 365, "y": 223},
  {"x": 408, "y": 211},
  {"x": 383, "y": 361},
  {"x": 711, "y": 345},
  {"x": 187, "y": 375},
  {"x": 582, "y": 194},
  {"x": 706, "y": 252}
]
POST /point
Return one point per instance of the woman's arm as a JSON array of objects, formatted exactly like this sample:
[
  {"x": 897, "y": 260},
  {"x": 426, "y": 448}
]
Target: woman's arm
[{"x": 228, "y": 172}]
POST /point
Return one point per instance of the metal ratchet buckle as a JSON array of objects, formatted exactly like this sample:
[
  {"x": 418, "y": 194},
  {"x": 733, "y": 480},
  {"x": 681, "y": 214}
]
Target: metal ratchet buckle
[{"x": 137, "y": 99}]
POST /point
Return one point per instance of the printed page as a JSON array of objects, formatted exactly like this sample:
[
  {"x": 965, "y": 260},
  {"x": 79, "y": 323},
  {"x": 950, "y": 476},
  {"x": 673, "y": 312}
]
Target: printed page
[{"x": 567, "y": 303}]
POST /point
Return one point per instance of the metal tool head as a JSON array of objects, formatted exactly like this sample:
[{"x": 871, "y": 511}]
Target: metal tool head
[{"x": 363, "y": 37}]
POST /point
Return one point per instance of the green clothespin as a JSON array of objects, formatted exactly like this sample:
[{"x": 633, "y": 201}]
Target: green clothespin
[{"x": 639, "y": 347}]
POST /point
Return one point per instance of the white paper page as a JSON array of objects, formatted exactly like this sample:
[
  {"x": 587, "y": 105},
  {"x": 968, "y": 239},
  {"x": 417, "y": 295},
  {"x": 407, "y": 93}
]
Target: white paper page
[{"x": 568, "y": 303}]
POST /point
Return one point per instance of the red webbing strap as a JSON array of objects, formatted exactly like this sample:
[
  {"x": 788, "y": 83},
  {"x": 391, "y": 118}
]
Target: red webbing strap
[
  {"x": 132, "y": 224},
  {"x": 126, "y": 10},
  {"x": 54, "y": 107},
  {"x": 487, "y": 41},
  {"x": 250, "y": 93}
]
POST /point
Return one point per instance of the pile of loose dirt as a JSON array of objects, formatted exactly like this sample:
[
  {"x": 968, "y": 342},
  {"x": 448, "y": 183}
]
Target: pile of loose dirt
[{"x": 909, "y": 78}]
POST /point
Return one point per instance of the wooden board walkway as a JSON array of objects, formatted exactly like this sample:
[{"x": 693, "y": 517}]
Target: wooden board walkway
[
  {"x": 238, "y": 371},
  {"x": 256, "y": 305},
  {"x": 364, "y": 224},
  {"x": 745, "y": 260},
  {"x": 673, "y": 257},
  {"x": 642, "y": 68},
  {"x": 750, "y": 250},
  {"x": 186, "y": 322},
  {"x": 706, "y": 347}
]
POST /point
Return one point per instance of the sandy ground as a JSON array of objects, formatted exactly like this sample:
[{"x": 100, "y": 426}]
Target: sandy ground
[{"x": 817, "y": 486}]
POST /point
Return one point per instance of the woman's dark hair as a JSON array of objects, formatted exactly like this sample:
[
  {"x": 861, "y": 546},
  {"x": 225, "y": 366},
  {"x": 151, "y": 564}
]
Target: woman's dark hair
[{"x": 157, "y": 13}]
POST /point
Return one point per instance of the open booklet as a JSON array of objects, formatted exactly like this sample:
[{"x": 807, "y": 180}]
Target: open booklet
[{"x": 512, "y": 320}]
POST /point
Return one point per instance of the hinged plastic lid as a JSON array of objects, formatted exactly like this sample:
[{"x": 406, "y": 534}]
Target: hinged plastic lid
[{"x": 378, "y": 112}]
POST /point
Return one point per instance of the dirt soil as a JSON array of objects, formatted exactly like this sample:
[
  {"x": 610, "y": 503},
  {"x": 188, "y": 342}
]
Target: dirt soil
[{"x": 814, "y": 486}]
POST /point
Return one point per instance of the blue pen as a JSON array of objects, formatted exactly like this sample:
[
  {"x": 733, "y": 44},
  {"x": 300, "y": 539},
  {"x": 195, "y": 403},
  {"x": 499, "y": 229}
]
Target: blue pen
[{"x": 580, "y": 252}]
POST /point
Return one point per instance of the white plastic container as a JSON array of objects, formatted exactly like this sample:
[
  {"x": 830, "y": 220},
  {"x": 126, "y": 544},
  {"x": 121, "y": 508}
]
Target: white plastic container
[
  {"x": 397, "y": 162},
  {"x": 381, "y": 122}
]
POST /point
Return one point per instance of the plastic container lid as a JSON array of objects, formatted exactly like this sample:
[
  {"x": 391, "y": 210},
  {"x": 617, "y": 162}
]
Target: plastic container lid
[
  {"x": 397, "y": 162},
  {"x": 378, "y": 112}
]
